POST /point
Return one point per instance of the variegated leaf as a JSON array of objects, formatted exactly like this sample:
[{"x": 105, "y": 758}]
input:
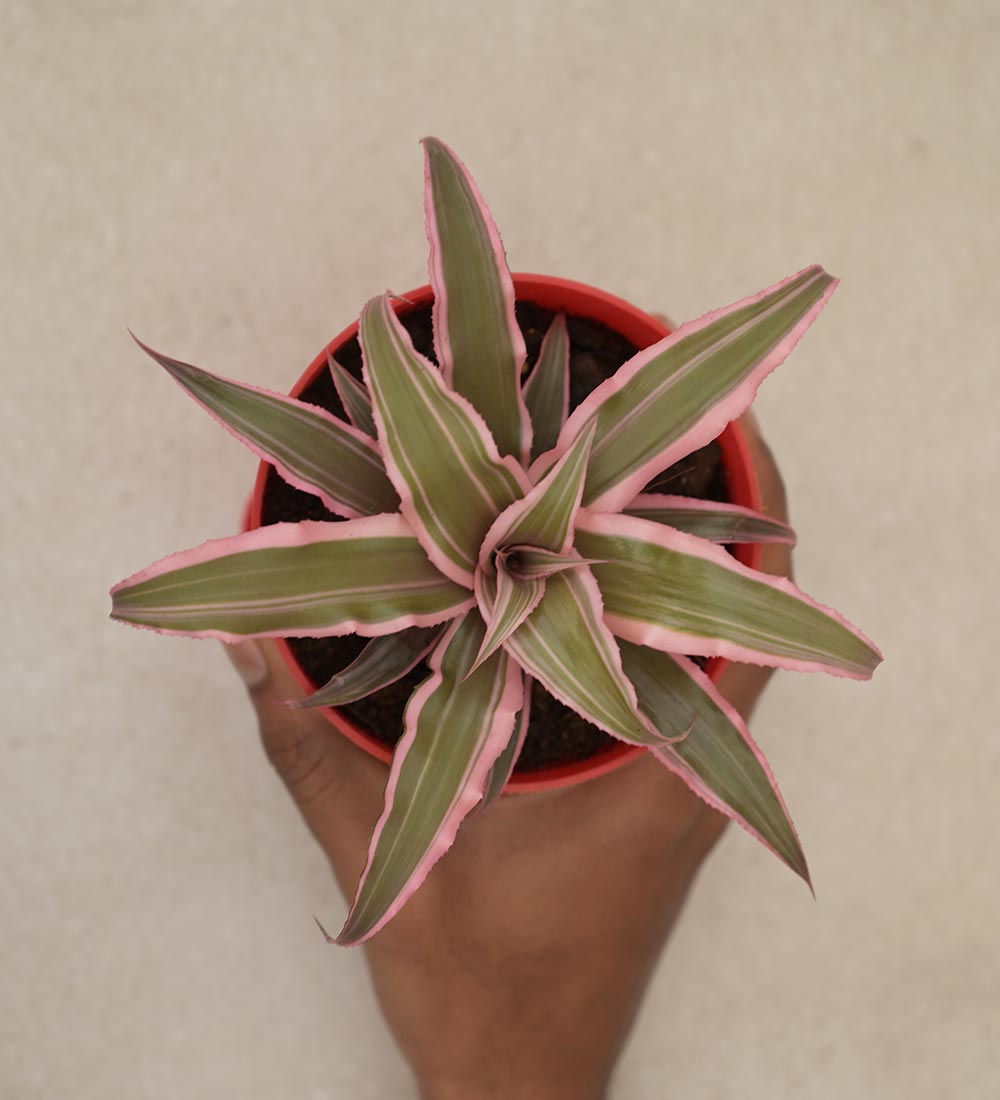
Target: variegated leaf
[
  {"x": 504, "y": 602},
  {"x": 565, "y": 645},
  {"x": 382, "y": 662},
  {"x": 457, "y": 725},
  {"x": 709, "y": 519},
  {"x": 438, "y": 451},
  {"x": 680, "y": 393},
  {"x": 503, "y": 769},
  {"x": 477, "y": 339},
  {"x": 308, "y": 446},
  {"x": 354, "y": 397},
  {"x": 718, "y": 758},
  {"x": 544, "y": 517},
  {"x": 529, "y": 563},
  {"x": 546, "y": 392},
  {"x": 681, "y": 594},
  {"x": 362, "y": 576}
]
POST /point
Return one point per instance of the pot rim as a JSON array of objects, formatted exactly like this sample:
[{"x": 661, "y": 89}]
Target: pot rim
[{"x": 639, "y": 328}]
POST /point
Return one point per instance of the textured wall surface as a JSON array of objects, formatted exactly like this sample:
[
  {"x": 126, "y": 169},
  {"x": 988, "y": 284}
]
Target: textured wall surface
[{"x": 232, "y": 180}]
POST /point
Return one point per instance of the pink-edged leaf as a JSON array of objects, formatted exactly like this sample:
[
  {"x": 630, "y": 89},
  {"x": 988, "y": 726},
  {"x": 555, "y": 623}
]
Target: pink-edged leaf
[
  {"x": 507, "y": 603},
  {"x": 544, "y": 517},
  {"x": 546, "y": 392},
  {"x": 361, "y": 576},
  {"x": 476, "y": 336},
  {"x": 503, "y": 769},
  {"x": 565, "y": 645},
  {"x": 456, "y": 726},
  {"x": 354, "y": 397},
  {"x": 438, "y": 451},
  {"x": 718, "y": 758},
  {"x": 308, "y": 446},
  {"x": 709, "y": 519},
  {"x": 680, "y": 594},
  {"x": 529, "y": 563},
  {"x": 382, "y": 662},
  {"x": 679, "y": 394}
]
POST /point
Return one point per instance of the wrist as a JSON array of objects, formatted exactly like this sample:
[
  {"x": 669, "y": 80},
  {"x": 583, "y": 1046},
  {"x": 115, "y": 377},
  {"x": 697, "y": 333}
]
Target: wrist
[{"x": 539, "y": 1090}]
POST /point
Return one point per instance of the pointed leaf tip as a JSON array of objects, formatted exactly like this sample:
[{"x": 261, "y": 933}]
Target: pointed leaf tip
[
  {"x": 718, "y": 759},
  {"x": 478, "y": 342},
  {"x": 546, "y": 391},
  {"x": 309, "y": 447},
  {"x": 455, "y": 729},
  {"x": 678, "y": 394}
]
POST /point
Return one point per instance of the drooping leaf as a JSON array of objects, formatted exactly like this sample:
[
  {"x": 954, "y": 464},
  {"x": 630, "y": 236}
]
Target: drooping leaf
[
  {"x": 717, "y": 758},
  {"x": 362, "y": 576},
  {"x": 476, "y": 336},
  {"x": 546, "y": 392},
  {"x": 565, "y": 645},
  {"x": 308, "y": 446},
  {"x": 709, "y": 519},
  {"x": 678, "y": 395},
  {"x": 354, "y": 397},
  {"x": 456, "y": 726},
  {"x": 681, "y": 594},
  {"x": 437, "y": 450},
  {"x": 382, "y": 662}
]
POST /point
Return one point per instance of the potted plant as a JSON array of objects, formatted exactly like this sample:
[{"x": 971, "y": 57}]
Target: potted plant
[{"x": 513, "y": 544}]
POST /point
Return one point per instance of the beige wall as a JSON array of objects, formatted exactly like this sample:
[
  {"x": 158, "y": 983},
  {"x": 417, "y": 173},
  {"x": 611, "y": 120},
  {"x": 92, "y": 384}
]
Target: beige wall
[{"x": 231, "y": 181}]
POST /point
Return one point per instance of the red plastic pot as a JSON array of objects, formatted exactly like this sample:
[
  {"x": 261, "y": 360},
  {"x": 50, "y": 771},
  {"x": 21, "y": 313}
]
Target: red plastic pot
[{"x": 640, "y": 329}]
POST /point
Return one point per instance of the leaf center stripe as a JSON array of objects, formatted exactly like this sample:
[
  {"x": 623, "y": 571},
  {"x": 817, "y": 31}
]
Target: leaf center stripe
[{"x": 688, "y": 366}]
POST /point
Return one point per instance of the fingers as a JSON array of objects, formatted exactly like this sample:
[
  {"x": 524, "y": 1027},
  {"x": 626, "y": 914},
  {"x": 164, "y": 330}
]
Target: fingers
[
  {"x": 772, "y": 485},
  {"x": 306, "y": 751},
  {"x": 249, "y": 662},
  {"x": 336, "y": 787},
  {"x": 743, "y": 684},
  {"x": 664, "y": 319},
  {"x": 264, "y": 671},
  {"x": 775, "y": 557}
]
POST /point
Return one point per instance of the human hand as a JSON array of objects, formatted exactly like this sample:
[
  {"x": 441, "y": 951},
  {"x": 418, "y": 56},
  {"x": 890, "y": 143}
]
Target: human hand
[{"x": 517, "y": 969}]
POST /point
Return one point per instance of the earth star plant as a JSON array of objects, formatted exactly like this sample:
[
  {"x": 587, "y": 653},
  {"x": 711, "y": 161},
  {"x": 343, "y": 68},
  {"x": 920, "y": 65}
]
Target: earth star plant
[{"x": 488, "y": 531}]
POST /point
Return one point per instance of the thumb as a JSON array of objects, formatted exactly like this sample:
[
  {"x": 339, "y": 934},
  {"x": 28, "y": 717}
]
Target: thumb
[
  {"x": 337, "y": 788},
  {"x": 301, "y": 745},
  {"x": 249, "y": 661}
]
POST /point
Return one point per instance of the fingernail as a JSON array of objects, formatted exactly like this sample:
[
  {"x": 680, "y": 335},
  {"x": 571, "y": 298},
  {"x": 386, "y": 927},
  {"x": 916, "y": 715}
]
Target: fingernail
[{"x": 249, "y": 662}]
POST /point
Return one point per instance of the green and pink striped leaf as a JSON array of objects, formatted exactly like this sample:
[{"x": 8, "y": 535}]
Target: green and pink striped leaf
[
  {"x": 529, "y": 563},
  {"x": 546, "y": 392},
  {"x": 382, "y": 662},
  {"x": 438, "y": 452},
  {"x": 362, "y": 576},
  {"x": 503, "y": 769},
  {"x": 456, "y": 726},
  {"x": 308, "y": 446},
  {"x": 565, "y": 645},
  {"x": 709, "y": 519},
  {"x": 680, "y": 594},
  {"x": 476, "y": 336},
  {"x": 544, "y": 517},
  {"x": 718, "y": 758},
  {"x": 679, "y": 394},
  {"x": 354, "y": 397},
  {"x": 504, "y": 602}
]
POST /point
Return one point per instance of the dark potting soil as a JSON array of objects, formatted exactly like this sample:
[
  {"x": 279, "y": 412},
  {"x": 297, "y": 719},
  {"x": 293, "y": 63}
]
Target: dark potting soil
[{"x": 556, "y": 734}]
